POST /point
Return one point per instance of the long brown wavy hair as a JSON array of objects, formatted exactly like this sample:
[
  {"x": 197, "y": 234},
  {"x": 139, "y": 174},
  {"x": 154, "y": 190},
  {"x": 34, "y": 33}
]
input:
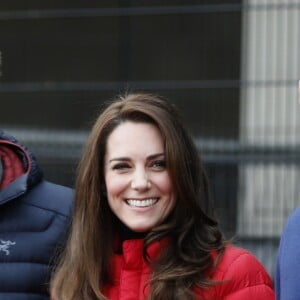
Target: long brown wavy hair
[{"x": 191, "y": 228}]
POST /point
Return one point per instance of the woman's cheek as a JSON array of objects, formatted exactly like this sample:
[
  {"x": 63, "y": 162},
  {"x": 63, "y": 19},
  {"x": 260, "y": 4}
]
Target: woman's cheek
[{"x": 115, "y": 184}]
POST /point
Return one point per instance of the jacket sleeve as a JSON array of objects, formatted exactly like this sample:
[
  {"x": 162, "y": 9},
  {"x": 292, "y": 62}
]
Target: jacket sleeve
[
  {"x": 247, "y": 279},
  {"x": 287, "y": 270}
]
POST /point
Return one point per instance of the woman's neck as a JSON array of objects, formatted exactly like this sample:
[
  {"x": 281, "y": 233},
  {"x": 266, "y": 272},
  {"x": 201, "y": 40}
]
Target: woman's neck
[{"x": 128, "y": 234}]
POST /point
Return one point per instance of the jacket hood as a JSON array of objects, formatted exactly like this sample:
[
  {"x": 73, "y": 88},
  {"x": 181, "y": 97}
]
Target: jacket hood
[{"x": 20, "y": 182}]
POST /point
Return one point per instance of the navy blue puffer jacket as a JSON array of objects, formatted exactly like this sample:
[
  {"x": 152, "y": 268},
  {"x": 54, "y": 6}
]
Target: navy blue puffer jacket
[{"x": 34, "y": 218}]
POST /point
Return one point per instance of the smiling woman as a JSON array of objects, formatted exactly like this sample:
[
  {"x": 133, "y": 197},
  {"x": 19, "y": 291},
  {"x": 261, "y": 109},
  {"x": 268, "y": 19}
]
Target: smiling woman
[{"x": 143, "y": 225}]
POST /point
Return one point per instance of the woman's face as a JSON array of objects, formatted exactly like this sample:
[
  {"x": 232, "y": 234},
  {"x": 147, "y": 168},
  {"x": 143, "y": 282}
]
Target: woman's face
[{"x": 138, "y": 185}]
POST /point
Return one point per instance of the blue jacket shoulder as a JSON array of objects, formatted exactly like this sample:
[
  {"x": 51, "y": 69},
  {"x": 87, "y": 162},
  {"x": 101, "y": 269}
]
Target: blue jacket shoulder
[{"x": 50, "y": 196}]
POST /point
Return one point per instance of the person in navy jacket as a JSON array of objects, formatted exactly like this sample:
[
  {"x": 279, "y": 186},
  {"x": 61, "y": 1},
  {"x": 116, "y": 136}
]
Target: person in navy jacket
[
  {"x": 287, "y": 273},
  {"x": 34, "y": 218}
]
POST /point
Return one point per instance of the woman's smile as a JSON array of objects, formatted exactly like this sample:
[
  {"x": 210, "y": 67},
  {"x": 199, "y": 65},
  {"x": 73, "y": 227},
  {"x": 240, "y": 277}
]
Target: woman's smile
[{"x": 142, "y": 203}]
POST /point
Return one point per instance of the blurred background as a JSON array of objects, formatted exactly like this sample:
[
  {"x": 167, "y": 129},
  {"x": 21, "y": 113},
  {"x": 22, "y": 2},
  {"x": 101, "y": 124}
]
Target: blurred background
[{"x": 232, "y": 67}]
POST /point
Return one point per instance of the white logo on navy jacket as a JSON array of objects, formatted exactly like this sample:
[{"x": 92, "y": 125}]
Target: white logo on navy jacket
[{"x": 5, "y": 245}]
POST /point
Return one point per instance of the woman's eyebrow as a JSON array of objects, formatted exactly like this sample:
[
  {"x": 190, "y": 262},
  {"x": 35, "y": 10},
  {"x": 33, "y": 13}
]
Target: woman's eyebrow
[
  {"x": 153, "y": 156},
  {"x": 119, "y": 159},
  {"x": 123, "y": 158}
]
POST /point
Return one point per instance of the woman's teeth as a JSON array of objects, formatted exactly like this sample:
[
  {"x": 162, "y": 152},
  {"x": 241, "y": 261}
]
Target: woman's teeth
[{"x": 141, "y": 203}]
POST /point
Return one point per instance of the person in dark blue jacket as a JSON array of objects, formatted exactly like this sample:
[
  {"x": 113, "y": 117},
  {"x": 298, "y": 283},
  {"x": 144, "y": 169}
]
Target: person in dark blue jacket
[
  {"x": 287, "y": 279},
  {"x": 34, "y": 220}
]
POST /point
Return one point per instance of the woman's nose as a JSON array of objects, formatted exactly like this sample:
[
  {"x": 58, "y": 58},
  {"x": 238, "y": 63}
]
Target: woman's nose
[{"x": 140, "y": 180}]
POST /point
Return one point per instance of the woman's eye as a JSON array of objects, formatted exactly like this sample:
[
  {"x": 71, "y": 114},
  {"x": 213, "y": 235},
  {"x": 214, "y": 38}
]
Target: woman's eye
[
  {"x": 120, "y": 166},
  {"x": 159, "y": 164}
]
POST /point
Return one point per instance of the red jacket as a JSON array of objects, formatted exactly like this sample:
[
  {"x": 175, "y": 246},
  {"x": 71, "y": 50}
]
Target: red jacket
[{"x": 244, "y": 277}]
